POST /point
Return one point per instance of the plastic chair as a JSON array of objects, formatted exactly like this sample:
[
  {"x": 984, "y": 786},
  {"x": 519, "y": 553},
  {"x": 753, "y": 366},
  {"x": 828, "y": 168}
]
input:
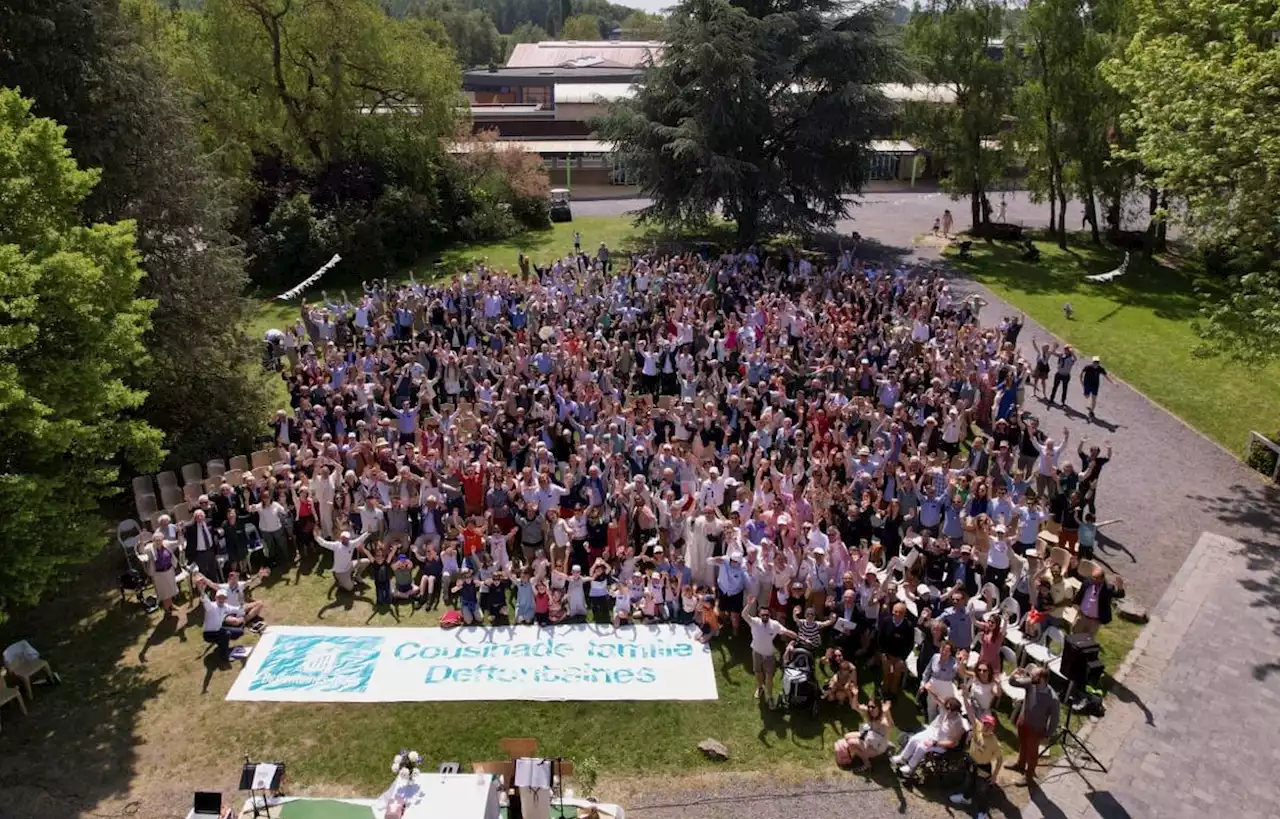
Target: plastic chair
[
  {"x": 170, "y": 496},
  {"x": 168, "y": 479},
  {"x": 1042, "y": 651},
  {"x": 233, "y": 476},
  {"x": 146, "y": 506},
  {"x": 192, "y": 492},
  {"x": 256, "y": 544},
  {"x": 239, "y": 463},
  {"x": 142, "y": 485},
  {"x": 181, "y": 512},
  {"x": 8, "y": 695},
  {"x": 1015, "y": 694},
  {"x": 127, "y": 534},
  {"x": 1085, "y": 568},
  {"x": 191, "y": 473},
  {"x": 1060, "y": 556},
  {"x": 211, "y": 485},
  {"x": 23, "y": 663},
  {"x": 991, "y": 594},
  {"x": 261, "y": 458},
  {"x": 215, "y": 468}
]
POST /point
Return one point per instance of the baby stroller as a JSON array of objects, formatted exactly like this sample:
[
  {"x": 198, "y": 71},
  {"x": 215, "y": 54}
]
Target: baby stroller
[{"x": 800, "y": 682}]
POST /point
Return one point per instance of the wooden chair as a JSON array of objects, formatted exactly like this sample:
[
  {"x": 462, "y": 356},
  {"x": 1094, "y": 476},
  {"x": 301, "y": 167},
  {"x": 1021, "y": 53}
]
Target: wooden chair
[
  {"x": 517, "y": 747},
  {"x": 25, "y": 669},
  {"x": 192, "y": 473},
  {"x": 8, "y": 695},
  {"x": 239, "y": 463}
]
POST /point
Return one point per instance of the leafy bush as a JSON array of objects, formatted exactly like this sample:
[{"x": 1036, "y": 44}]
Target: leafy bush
[{"x": 1262, "y": 457}]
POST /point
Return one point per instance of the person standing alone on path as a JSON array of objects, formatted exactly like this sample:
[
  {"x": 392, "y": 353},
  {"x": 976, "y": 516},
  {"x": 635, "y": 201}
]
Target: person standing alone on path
[
  {"x": 1062, "y": 376},
  {"x": 1090, "y": 380},
  {"x": 947, "y": 223}
]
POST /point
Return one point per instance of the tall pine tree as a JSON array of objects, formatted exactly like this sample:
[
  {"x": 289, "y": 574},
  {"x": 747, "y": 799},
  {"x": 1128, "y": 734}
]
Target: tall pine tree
[{"x": 762, "y": 108}]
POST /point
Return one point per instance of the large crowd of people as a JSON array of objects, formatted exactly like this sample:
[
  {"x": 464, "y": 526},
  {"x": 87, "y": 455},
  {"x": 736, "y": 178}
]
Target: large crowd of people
[{"x": 836, "y": 453}]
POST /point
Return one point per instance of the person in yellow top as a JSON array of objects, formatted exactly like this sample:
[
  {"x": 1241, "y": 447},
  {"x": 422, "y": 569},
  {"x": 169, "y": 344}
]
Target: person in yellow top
[{"x": 985, "y": 760}]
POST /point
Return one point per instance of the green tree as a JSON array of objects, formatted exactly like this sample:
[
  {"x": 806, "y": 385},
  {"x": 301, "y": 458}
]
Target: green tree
[
  {"x": 641, "y": 26},
  {"x": 302, "y": 76},
  {"x": 1202, "y": 76},
  {"x": 87, "y": 66},
  {"x": 528, "y": 33},
  {"x": 949, "y": 42},
  {"x": 581, "y": 27},
  {"x": 764, "y": 110},
  {"x": 71, "y": 329}
]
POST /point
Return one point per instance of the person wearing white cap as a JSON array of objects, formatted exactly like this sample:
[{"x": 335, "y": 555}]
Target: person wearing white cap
[
  {"x": 222, "y": 623},
  {"x": 346, "y": 568},
  {"x": 1091, "y": 379},
  {"x": 997, "y": 571}
]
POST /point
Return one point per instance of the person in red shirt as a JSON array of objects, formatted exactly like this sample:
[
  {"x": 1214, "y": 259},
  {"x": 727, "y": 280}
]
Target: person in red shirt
[
  {"x": 473, "y": 542},
  {"x": 473, "y": 489}
]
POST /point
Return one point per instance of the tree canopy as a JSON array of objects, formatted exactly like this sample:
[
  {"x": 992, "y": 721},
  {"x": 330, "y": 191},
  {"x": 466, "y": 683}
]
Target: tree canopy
[
  {"x": 762, "y": 109},
  {"x": 950, "y": 45},
  {"x": 71, "y": 331},
  {"x": 1203, "y": 77}
]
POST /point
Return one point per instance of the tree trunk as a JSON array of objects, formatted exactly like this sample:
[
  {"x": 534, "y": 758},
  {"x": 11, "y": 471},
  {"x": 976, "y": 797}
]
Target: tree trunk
[
  {"x": 1162, "y": 230},
  {"x": 975, "y": 203},
  {"x": 748, "y": 225},
  {"x": 1091, "y": 211},
  {"x": 1062, "y": 216},
  {"x": 1113, "y": 213},
  {"x": 1149, "y": 241},
  {"x": 1053, "y": 206}
]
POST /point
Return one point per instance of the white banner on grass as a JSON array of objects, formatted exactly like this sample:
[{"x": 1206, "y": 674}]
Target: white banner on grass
[{"x": 583, "y": 662}]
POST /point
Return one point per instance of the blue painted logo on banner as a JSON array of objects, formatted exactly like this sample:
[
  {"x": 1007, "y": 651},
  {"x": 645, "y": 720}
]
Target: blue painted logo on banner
[{"x": 341, "y": 665}]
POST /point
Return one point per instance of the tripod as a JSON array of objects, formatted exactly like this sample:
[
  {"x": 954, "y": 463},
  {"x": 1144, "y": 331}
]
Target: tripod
[{"x": 1066, "y": 739}]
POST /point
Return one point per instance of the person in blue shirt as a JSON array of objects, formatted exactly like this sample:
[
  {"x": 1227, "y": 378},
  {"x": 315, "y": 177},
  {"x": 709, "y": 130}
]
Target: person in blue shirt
[{"x": 731, "y": 585}]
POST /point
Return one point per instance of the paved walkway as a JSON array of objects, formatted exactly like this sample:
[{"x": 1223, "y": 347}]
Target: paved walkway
[{"x": 1193, "y": 730}]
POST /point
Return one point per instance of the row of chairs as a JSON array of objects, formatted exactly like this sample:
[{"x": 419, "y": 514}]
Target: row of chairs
[{"x": 161, "y": 493}]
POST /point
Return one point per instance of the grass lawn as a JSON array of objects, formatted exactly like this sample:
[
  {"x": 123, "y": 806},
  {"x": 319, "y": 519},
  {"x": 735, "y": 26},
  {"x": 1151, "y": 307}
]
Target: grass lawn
[
  {"x": 620, "y": 233},
  {"x": 1141, "y": 326},
  {"x": 141, "y": 709}
]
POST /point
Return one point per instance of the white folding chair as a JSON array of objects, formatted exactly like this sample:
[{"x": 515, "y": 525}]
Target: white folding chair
[
  {"x": 1042, "y": 651},
  {"x": 261, "y": 458},
  {"x": 191, "y": 473},
  {"x": 168, "y": 479},
  {"x": 1008, "y": 663},
  {"x": 215, "y": 468},
  {"x": 239, "y": 462}
]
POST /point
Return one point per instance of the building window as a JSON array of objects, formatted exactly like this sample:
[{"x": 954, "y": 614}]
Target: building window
[{"x": 883, "y": 166}]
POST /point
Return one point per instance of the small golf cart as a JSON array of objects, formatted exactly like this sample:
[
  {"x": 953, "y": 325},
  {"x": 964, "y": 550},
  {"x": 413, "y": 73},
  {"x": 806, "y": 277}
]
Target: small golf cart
[{"x": 560, "y": 211}]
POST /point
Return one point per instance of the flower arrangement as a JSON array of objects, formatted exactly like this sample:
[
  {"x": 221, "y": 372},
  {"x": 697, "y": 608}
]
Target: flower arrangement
[{"x": 406, "y": 762}]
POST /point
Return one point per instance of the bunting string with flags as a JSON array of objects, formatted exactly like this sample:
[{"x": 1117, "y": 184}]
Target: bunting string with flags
[{"x": 296, "y": 291}]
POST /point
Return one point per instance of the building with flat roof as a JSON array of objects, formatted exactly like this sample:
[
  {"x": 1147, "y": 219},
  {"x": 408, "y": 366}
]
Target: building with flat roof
[{"x": 546, "y": 96}]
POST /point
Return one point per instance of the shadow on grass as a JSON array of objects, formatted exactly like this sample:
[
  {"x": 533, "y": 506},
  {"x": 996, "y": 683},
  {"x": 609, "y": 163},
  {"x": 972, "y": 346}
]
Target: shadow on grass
[
  {"x": 76, "y": 748},
  {"x": 1170, "y": 293}
]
